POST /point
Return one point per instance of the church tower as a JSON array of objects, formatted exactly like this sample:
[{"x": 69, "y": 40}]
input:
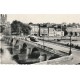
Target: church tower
[{"x": 3, "y": 19}]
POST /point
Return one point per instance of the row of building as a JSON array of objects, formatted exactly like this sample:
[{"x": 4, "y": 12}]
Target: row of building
[
  {"x": 73, "y": 30},
  {"x": 45, "y": 31}
]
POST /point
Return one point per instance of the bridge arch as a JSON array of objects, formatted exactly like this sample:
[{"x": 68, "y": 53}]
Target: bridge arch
[{"x": 35, "y": 53}]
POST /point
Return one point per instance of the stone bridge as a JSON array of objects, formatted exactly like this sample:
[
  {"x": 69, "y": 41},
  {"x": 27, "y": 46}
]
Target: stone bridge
[{"x": 31, "y": 46}]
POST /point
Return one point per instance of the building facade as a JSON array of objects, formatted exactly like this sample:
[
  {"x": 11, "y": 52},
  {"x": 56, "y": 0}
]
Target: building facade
[
  {"x": 7, "y": 30},
  {"x": 34, "y": 29},
  {"x": 73, "y": 31},
  {"x": 46, "y": 31},
  {"x": 59, "y": 33},
  {"x": 3, "y": 19},
  {"x": 5, "y": 24},
  {"x": 43, "y": 31}
]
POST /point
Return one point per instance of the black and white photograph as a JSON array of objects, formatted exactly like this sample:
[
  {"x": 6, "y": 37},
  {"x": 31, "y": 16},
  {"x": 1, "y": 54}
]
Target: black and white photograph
[
  {"x": 49, "y": 39},
  {"x": 39, "y": 39}
]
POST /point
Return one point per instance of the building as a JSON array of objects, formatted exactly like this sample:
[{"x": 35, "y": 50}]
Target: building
[
  {"x": 5, "y": 24},
  {"x": 45, "y": 31},
  {"x": 7, "y": 30},
  {"x": 52, "y": 32},
  {"x": 56, "y": 33},
  {"x": 35, "y": 29},
  {"x": 73, "y": 31},
  {"x": 59, "y": 33},
  {"x": 3, "y": 19}
]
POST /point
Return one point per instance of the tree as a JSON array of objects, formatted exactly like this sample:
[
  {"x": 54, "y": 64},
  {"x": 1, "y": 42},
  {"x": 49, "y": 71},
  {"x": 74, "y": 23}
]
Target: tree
[
  {"x": 64, "y": 27},
  {"x": 65, "y": 32},
  {"x": 1, "y": 29},
  {"x": 26, "y": 29},
  {"x": 71, "y": 33},
  {"x": 15, "y": 26},
  {"x": 18, "y": 27}
]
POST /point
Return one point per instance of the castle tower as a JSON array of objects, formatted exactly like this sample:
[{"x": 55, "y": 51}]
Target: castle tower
[{"x": 3, "y": 18}]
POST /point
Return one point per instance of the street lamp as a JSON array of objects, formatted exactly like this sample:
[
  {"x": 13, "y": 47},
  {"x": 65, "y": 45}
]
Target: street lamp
[
  {"x": 43, "y": 37},
  {"x": 70, "y": 52},
  {"x": 48, "y": 33}
]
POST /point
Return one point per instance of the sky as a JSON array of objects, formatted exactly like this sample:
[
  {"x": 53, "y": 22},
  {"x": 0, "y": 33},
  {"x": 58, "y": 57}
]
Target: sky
[{"x": 44, "y": 18}]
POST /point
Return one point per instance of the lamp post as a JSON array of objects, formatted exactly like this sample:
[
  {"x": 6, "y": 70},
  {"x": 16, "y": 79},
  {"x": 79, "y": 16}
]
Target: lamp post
[
  {"x": 70, "y": 52},
  {"x": 43, "y": 37},
  {"x": 61, "y": 32}
]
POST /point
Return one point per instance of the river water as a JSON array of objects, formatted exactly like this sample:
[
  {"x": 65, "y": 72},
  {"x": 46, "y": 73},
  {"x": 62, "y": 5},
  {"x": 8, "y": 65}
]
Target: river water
[{"x": 5, "y": 57}]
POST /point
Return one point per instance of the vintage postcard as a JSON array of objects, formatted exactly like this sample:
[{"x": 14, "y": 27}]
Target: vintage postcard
[{"x": 49, "y": 39}]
